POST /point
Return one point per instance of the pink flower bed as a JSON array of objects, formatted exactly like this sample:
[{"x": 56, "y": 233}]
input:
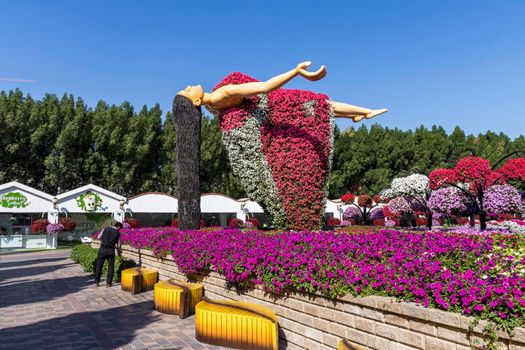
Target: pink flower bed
[{"x": 472, "y": 274}]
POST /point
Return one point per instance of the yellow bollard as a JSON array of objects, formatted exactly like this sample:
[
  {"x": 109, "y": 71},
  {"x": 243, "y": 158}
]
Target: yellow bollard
[
  {"x": 177, "y": 298},
  {"x": 236, "y": 324},
  {"x": 346, "y": 345},
  {"x": 138, "y": 279}
]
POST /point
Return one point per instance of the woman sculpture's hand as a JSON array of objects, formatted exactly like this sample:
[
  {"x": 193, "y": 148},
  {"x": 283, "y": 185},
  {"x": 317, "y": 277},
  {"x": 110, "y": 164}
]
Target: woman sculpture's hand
[{"x": 302, "y": 70}]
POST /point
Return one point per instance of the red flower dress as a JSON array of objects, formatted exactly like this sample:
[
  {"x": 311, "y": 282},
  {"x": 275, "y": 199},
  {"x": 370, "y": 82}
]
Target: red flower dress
[{"x": 280, "y": 145}]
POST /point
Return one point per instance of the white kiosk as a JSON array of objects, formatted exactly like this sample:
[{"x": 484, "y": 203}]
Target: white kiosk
[
  {"x": 19, "y": 204},
  {"x": 90, "y": 207}
]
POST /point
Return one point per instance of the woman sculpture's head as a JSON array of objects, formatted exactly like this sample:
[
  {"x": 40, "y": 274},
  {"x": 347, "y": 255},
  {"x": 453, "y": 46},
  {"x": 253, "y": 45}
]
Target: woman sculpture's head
[{"x": 194, "y": 93}]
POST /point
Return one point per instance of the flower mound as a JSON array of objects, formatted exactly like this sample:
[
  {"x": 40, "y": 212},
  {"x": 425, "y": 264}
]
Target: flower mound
[
  {"x": 54, "y": 228},
  {"x": 473, "y": 274},
  {"x": 448, "y": 200},
  {"x": 503, "y": 199},
  {"x": 352, "y": 213},
  {"x": 280, "y": 146}
]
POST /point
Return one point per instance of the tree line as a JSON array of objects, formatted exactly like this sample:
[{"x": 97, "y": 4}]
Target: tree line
[{"x": 57, "y": 144}]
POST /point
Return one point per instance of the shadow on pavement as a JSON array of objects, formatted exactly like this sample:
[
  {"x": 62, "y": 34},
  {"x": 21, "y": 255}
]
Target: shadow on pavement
[
  {"x": 34, "y": 271},
  {"x": 8, "y": 264},
  {"x": 105, "y": 329},
  {"x": 34, "y": 291}
]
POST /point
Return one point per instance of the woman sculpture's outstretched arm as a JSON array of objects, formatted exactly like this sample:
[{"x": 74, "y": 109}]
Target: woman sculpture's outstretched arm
[
  {"x": 345, "y": 110},
  {"x": 232, "y": 95}
]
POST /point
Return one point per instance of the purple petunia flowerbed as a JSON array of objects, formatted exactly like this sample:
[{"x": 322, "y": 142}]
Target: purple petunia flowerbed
[{"x": 479, "y": 275}]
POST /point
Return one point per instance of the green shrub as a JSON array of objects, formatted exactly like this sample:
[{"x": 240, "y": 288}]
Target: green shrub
[{"x": 86, "y": 256}]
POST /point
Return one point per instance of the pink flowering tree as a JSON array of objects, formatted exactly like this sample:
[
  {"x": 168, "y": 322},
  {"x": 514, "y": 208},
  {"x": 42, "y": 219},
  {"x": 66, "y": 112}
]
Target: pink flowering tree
[
  {"x": 448, "y": 200},
  {"x": 473, "y": 176},
  {"x": 361, "y": 210},
  {"x": 416, "y": 190}
]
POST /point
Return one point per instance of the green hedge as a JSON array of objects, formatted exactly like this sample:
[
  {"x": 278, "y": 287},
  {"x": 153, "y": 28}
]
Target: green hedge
[{"x": 86, "y": 256}]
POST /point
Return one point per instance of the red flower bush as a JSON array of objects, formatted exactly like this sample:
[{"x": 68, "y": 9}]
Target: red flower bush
[
  {"x": 333, "y": 222},
  {"x": 387, "y": 213},
  {"x": 472, "y": 168},
  {"x": 364, "y": 200},
  {"x": 132, "y": 222},
  {"x": 69, "y": 225},
  {"x": 421, "y": 221},
  {"x": 296, "y": 134},
  {"x": 255, "y": 222},
  {"x": 39, "y": 226},
  {"x": 513, "y": 169},
  {"x": 235, "y": 223},
  {"x": 379, "y": 222},
  {"x": 348, "y": 198},
  {"x": 441, "y": 177},
  {"x": 477, "y": 173}
]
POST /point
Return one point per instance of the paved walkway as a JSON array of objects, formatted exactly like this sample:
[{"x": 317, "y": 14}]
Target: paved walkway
[{"x": 48, "y": 302}]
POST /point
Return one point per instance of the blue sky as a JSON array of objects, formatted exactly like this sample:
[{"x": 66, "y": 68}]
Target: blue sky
[{"x": 446, "y": 62}]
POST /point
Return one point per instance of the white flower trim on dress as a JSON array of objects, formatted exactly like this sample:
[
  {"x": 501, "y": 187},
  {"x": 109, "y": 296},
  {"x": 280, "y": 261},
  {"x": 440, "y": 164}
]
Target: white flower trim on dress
[{"x": 249, "y": 163}]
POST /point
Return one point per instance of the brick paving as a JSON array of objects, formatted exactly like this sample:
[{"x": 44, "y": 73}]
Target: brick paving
[{"x": 48, "y": 302}]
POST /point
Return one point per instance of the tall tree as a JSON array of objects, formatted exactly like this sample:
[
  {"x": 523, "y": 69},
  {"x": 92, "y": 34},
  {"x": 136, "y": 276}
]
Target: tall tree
[
  {"x": 65, "y": 165},
  {"x": 15, "y": 138},
  {"x": 105, "y": 164},
  {"x": 168, "y": 157},
  {"x": 140, "y": 152}
]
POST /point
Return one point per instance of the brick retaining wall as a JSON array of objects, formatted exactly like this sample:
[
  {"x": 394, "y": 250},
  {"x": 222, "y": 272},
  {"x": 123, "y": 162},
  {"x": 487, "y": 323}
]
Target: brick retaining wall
[{"x": 309, "y": 321}]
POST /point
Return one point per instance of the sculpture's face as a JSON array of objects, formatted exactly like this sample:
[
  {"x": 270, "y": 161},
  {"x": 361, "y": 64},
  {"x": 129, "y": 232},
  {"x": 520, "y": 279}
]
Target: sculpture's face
[
  {"x": 90, "y": 201},
  {"x": 194, "y": 93}
]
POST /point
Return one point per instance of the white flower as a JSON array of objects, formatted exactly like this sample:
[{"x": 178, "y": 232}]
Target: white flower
[{"x": 415, "y": 185}]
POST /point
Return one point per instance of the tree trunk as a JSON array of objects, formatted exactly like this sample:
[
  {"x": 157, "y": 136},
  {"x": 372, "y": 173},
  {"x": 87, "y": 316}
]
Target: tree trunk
[
  {"x": 365, "y": 215},
  {"x": 483, "y": 220},
  {"x": 429, "y": 219},
  {"x": 187, "y": 120},
  {"x": 472, "y": 220},
  {"x": 405, "y": 220}
]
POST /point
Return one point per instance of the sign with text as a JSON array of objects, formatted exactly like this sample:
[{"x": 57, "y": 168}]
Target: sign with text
[{"x": 13, "y": 200}]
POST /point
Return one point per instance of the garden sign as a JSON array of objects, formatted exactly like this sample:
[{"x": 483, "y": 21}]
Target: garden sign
[
  {"x": 89, "y": 201},
  {"x": 13, "y": 200}
]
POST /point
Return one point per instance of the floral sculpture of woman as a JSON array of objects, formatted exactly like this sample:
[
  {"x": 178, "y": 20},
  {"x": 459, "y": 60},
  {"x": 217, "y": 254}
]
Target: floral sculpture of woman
[{"x": 279, "y": 141}]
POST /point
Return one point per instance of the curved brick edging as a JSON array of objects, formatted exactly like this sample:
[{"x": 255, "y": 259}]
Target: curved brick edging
[{"x": 315, "y": 322}]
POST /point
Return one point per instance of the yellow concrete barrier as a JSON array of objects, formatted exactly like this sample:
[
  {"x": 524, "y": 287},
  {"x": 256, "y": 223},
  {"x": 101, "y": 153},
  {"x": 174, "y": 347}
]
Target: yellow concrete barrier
[
  {"x": 177, "y": 298},
  {"x": 236, "y": 324},
  {"x": 138, "y": 279}
]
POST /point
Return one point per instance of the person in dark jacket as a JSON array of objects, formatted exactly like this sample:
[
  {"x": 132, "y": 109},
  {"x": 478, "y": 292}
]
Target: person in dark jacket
[{"x": 109, "y": 241}]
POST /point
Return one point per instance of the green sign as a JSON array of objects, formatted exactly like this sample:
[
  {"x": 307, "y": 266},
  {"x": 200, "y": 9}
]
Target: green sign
[
  {"x": 13, "y": 200},
  {"x": 89, "y": 201}
]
